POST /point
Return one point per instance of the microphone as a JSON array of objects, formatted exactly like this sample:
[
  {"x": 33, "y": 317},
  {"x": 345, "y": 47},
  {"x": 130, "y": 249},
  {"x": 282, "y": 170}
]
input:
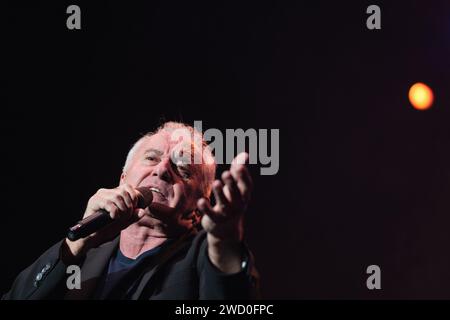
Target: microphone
[{"x": 101, "y": 218}]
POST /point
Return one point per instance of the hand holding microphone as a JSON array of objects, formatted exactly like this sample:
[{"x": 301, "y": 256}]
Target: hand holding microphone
[{"x": 111, "y": 205}]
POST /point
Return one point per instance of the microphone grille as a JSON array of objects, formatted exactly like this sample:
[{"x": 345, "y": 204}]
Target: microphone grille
[{"x": 146, "y": 199}]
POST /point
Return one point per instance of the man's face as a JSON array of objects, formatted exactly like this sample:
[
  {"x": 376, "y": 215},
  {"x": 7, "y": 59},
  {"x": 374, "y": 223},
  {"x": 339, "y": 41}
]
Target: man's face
[{"x": 177, "y": 180}]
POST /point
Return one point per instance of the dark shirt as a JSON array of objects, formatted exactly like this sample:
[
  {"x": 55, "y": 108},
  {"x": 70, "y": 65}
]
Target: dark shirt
[{"x": 121, "y": 278}]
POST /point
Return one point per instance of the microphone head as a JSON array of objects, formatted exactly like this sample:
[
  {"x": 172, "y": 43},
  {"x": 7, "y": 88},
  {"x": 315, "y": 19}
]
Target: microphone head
[{"x": 145, "y": 198}]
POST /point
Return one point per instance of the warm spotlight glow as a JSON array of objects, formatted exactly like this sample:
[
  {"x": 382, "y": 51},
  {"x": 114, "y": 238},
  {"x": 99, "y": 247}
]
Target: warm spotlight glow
[{"x": 421, "y": 96}]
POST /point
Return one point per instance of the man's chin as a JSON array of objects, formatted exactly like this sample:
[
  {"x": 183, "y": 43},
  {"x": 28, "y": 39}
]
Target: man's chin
[{"x": 160, "y": 210}]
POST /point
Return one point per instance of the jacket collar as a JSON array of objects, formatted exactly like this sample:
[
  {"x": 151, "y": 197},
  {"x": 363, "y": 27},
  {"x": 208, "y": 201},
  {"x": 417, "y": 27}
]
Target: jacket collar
[{"x": 97, "y": 260}]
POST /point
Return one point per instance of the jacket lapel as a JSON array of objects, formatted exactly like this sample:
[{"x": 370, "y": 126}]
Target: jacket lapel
[
  {"x": 92, "y": 269},
  {"x": 147, "y": 281}
]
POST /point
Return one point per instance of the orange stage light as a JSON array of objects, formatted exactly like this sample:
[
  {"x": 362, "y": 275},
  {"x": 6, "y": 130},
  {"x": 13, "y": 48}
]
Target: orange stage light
[{"x": 421, "y": 96}]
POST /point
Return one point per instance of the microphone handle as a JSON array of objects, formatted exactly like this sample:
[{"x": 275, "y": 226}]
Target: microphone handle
[
  {"x": 89, "y": 225},
  {"x": 101, "y": 218}
]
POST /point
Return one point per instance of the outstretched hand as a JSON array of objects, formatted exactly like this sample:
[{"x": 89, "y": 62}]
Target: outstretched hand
[{"x": 224, "y": 221}]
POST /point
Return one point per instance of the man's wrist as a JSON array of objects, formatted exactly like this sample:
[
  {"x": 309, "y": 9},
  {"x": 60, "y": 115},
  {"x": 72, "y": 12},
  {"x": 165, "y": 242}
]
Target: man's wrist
[{"x": 226, "y": 255}]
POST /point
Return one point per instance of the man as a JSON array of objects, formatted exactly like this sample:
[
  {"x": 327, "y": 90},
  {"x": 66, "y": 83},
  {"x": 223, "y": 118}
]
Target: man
[{"x": 157, "y": 252}]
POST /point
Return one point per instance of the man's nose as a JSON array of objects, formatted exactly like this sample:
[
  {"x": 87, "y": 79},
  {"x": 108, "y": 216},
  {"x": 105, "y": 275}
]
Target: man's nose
[{"x": 163, "y": 170}]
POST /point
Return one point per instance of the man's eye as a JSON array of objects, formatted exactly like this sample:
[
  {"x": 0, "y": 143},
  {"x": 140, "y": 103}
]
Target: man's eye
[{"x": 151, "y": 158}]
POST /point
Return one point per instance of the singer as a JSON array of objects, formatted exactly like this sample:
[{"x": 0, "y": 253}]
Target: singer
[{"x": 178, "y": 246}]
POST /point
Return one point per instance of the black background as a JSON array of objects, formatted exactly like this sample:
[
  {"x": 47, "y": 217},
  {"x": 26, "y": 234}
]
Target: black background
[{"x": 363, "y": 179}]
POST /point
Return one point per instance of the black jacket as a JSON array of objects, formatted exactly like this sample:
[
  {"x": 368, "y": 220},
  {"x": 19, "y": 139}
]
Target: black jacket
[{"x": 184, "y": 272}]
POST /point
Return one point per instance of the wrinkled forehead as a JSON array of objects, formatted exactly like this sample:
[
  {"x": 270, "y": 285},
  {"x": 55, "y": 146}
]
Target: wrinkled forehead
[{"x": 174, "y": 144}]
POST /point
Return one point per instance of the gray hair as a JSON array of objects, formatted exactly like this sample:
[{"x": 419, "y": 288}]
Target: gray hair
[{"x": 208, "y": 161}]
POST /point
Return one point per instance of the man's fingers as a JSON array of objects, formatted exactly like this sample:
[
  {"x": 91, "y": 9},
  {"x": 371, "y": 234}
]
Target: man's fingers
[
  {"x": 244, "y": 182},
  {"x": 130, "y": 195},
  {"x": 242, "y": 176},
  {"x": 118, "y": 201},
  {"x": 205, "y": 207},
  {"x": 234, "y": 197},
  {"x": 139, "y": 213},
  {"x": 112, "y": 209},
  {"x": 221, "y": 200},
  {"x": 241, "y": 158}
]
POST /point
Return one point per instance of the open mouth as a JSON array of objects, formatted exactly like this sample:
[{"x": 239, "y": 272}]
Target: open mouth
[{"x": 156, "y": 190}]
